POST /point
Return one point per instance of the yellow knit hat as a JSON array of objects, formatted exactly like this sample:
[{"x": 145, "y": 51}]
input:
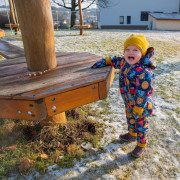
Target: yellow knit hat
[{"x": 138, "y": 41}]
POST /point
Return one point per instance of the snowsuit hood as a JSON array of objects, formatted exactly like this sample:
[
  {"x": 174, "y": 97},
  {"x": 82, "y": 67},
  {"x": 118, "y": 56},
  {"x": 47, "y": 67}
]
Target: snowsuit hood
[{"x": 147, "y": 61}]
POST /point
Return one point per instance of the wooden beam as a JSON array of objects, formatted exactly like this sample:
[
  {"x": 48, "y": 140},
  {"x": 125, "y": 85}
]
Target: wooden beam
[
  {"x": 12, "y": 25},
  {"x": 23, "y": 109},
  {"x": 71, "y": 99},
  {"x": 82, "y": 26}
]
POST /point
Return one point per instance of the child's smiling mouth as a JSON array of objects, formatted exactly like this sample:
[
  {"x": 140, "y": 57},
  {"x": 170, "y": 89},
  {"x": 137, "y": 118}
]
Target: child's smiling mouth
[{"x": 131, "y": 58}]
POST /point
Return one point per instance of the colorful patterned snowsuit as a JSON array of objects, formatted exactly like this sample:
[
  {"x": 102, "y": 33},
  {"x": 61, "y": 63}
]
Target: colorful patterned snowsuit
[{"x": 136, "y": 87}]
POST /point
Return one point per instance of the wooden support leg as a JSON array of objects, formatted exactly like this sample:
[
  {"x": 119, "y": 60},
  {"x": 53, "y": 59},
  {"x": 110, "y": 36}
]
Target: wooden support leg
[
  {"x": 81, "y": 31},
  {"x": 81, "y": 17},
  {"x": 54, "y": 120},
  {"x": 16, "y": 31}
]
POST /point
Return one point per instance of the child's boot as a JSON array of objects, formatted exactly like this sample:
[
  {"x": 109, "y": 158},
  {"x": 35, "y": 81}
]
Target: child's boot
[
  {"x": 127, "y": 137},
  {"x": 138, "y": 151}
]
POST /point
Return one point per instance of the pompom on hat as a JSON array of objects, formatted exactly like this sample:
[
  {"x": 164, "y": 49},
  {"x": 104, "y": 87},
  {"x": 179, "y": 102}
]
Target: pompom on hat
[{"x": 138, "y": 41}]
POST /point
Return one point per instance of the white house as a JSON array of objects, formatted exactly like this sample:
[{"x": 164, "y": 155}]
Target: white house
[{"x": 133, "y": 14}]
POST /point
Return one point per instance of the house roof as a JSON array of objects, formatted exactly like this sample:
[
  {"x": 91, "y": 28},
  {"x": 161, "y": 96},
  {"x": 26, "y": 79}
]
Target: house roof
[{"x": 166, "y": 16}]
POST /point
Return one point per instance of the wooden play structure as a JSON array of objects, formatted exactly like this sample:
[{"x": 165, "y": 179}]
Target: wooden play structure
[
  {"x": 81, "y": 26},
  {"x": 38, "y": 84},
  {"x": 2, "y": 34},
  {"x": 14, "y": 25}
]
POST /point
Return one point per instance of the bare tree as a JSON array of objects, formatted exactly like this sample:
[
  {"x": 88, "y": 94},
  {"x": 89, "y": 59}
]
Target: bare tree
[
  {"x": 104, "y": 3},
  {"x": 73, "y": 6}
]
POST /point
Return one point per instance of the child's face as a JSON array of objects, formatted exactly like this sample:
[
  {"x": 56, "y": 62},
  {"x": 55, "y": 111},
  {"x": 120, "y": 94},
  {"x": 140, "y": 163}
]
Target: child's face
[{"x": 132, "y": 54}]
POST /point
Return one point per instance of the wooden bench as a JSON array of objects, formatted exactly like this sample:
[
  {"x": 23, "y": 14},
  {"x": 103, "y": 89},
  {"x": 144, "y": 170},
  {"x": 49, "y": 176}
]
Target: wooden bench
[
  {"x": 73, "y": 83},
  {"x": 14, "y": 26},
  {"x": 81, "y": 26},
  {"x": 69, "y": 82}
]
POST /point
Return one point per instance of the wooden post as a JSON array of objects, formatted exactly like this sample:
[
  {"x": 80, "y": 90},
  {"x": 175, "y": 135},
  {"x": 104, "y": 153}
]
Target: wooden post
[
  {"x": 12, "y": 12},
  {"x": 37, "y": 30},
  {"x": 81, "y": 17},
  {"x": 35, "y": 19},
  {"x": 13, "y": 16}
]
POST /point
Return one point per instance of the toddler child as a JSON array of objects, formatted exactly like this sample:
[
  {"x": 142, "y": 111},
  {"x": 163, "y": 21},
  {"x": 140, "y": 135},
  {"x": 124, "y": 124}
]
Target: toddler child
[{"x": 136, "y": 86}]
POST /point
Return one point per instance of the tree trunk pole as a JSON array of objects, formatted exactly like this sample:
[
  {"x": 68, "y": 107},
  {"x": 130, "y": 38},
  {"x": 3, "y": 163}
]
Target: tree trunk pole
[
  {"x": 35, "y": 19},
  {"x": 81, "y": 17},
  {"x": 37, "y": 31}
]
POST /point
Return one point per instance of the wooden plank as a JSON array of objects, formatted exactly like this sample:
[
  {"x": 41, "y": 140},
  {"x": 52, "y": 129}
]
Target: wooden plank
[
  {"x": 22, "y": 109},
  {"x": 10, "y": 51},
  {"x": 104, "y": 86},
  {"x": 62, "y": 58},
  {"x": 81, "y": 26},
  {"x": 14, "y": 61},
  {"x": 12, "y": 25},
  {"x": 21, "y": 71},
  {"x": 13, "y": 71},
  {"x": 71, "y": 99},
  {"x": 63, "y": 87},
  {"x": 21, "y": 83},
  {"x": 76, "y": 57},
  {"x": 8, "y": 69},
  {"x": 19, "y": 60}
]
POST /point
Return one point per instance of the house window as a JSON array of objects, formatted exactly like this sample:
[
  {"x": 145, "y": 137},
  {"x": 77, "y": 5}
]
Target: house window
[
  {"x": 128, "y": 19},
  {"x": 144, "y": 16},
  {"x": 121, "y": 19}
]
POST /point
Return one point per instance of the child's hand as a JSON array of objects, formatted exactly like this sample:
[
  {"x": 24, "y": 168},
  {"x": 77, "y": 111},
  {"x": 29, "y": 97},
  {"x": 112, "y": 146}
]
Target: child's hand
[{"x": 99, "y": 64}]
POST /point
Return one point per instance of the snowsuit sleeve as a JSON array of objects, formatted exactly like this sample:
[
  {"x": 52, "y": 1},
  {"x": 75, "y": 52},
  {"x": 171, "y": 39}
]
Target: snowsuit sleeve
[
  {"x": 113, "y": 61},
  {"x": 143, "y": 92}
]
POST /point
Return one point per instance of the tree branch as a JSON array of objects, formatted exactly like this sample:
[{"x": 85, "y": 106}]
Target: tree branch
[
  {"x": 61, "y": 4},
  {"x": 103, "y": 3},
  {"x": 88, "y": 5}
]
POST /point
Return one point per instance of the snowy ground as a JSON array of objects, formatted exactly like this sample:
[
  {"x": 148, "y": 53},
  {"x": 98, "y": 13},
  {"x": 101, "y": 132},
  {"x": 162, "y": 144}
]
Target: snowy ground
[{"x": 161, "y": 159}]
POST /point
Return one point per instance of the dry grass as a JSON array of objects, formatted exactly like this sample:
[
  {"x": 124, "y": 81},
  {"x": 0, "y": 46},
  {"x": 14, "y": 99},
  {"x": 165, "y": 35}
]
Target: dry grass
[{"x": 25, "y": 139}]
